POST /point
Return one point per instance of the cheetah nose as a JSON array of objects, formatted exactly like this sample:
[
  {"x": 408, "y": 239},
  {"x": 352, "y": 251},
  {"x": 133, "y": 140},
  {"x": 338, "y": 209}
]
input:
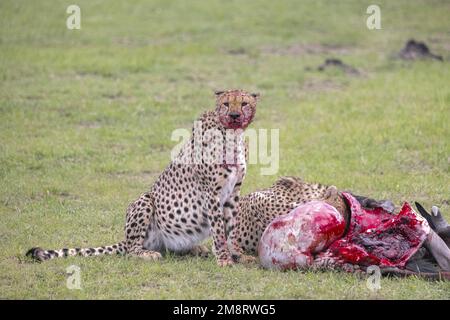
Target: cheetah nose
[{"x": 234, "y": 115}]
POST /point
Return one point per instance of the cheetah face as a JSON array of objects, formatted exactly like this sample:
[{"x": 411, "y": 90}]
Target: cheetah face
[{"x": 236, "y": 108}]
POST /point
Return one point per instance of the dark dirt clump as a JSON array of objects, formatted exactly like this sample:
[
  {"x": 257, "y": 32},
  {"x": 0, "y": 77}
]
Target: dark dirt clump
[
  {"x": 414, "y": 50},
  {"x": 337, "y": 63},
  {"x": 237, "y": 51}
]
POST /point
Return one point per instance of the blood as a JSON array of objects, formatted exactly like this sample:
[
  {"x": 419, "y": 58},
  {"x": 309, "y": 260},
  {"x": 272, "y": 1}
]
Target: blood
[
  {"x": 242, "y": 123},
  {"x": 277, "y": 224},
  {"x": 316, "y": 229},
  {"x": 380, "y": 238}
]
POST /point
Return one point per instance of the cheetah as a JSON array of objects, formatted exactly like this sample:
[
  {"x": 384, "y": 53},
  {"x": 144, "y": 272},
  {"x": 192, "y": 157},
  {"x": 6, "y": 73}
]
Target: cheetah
[
  {"x": 196, "y": 196},
  {"x": 259, "y": 208}
]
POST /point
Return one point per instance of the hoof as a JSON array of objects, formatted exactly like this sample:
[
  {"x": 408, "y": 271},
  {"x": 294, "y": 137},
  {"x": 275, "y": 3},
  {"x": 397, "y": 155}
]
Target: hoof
[{"x": 435, "y": 211}]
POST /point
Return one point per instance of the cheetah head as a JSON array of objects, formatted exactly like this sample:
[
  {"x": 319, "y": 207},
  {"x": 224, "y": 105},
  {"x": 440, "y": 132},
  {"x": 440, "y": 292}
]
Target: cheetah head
[{"x": 236, "y": 108}]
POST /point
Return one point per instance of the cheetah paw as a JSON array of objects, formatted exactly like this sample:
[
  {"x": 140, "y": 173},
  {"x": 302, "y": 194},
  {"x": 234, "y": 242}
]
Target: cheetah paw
[
  {"x": 225, "y": 262},
  {"x": 247, "y": 259},
  {"x": 200, "y": 251},
  {"x": 150, "y": 255}
]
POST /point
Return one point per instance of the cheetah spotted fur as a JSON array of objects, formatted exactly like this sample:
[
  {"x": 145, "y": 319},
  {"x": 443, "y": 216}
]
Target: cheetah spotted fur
[{"x": 259, "y": 208}]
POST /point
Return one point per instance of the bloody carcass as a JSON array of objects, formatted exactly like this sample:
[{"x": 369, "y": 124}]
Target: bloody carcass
[{"x": 317, "y": 235}]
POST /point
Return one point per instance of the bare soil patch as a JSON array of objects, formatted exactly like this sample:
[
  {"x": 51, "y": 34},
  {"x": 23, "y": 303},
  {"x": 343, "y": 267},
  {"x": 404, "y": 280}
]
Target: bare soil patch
[{"x": 304, "y": 49}]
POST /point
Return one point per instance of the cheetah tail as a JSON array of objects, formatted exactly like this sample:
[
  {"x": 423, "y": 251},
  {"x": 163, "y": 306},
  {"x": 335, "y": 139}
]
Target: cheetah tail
[{"x": 42, "y": 255}]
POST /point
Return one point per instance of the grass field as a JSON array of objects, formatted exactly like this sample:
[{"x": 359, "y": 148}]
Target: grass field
[{"x": 86, "y": 118}]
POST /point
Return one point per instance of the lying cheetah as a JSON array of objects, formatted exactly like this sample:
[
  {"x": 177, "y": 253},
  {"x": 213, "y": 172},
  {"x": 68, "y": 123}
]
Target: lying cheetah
[
  {"x": 259, "y": 208},
  {"x": 194, "y": 197}
]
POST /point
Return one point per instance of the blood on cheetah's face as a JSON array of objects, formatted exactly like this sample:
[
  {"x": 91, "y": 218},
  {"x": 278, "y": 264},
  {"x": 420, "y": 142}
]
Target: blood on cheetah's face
[{"x": 236, "y": 108}]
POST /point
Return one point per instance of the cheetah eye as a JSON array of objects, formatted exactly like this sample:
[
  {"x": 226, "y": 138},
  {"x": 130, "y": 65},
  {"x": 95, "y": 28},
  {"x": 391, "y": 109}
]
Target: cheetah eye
[
  {"x": 244, "y": 104},
  {"x": 226, "y": 104}
]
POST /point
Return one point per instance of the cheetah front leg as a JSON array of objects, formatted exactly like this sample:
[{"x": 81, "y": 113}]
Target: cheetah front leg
[
  {"x": 231, "y": 214},
  {"x": 216, "y": 220}
]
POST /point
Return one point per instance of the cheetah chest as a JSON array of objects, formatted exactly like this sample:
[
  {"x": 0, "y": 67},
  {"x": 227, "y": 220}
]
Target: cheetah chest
[
  {"x": 230, "y": 182},
  {"x": 228, "y": 187},
  {"x": 234, "y": 176}
]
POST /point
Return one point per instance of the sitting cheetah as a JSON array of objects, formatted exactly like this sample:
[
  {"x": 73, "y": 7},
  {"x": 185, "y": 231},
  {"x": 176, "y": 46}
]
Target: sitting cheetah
[
  {"x": 194, "y": 197},
  {"x": 259, "y": 208}
]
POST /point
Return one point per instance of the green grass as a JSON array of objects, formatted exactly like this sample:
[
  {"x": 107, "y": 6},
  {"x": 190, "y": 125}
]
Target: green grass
[{"x": 86, "y": 118}]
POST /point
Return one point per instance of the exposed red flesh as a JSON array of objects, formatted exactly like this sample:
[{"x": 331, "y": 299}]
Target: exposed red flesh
[
  {"x": 376, "y": 237},
  {"x": 313, "y": 232}
]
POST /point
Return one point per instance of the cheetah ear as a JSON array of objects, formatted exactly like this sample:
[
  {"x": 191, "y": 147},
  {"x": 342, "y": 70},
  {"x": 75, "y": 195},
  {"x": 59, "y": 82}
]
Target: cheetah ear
[
  {"x": 218, "y": 93},
  {"x": 255, "y": 95}
]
